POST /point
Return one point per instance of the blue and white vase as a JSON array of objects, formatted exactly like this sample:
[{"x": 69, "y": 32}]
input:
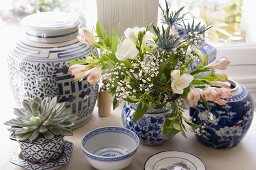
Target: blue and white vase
[
  {"x": 149, "y": 127},
  {"x": 38, "y": 64},
  {"x": 224, "y": 126}
]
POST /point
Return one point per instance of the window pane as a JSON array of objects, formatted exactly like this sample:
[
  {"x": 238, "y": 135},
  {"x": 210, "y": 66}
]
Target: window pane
[
  {"x": 230, "y": 19},
  {"x": 12, "y": 11}
]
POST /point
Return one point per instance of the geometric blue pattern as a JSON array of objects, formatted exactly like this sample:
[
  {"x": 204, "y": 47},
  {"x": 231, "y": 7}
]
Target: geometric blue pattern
[
  {"x": 43, "y": 71},
  {"x": 64, "y": 159}
]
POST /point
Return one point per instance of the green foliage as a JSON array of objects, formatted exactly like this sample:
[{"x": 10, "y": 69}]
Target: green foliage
[
  {"x": 40, "y": 118},
  {"x": 100, "y": 30},
  {"x": 171, "y": 18},
  {"x": 146, "y": 78},
  {"x": 140, "y": 111}
]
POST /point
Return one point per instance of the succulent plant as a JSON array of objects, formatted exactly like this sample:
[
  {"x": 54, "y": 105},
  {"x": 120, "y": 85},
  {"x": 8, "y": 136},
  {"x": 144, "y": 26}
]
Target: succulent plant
[{"x": 41, "y": 118}]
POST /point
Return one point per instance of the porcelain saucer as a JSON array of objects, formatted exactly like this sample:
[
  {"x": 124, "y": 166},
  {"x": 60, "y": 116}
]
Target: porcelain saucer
[
  {"x": 17, "y": 160},
  {"x": 173, "y": 160}
]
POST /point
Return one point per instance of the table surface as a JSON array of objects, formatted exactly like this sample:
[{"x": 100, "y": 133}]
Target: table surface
[{"x": 242, "y": 157}]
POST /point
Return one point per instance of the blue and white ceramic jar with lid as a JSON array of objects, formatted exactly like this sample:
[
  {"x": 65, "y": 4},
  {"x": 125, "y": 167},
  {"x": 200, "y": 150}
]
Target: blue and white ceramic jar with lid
[
  {"x": 224, "y": 126},
  {"x": 38, "y": 64}
]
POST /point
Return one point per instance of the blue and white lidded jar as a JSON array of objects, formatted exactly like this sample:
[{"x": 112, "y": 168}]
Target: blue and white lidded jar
[
  {"x": 224, "y": 126},
  {"x": 38, "y": 64}
]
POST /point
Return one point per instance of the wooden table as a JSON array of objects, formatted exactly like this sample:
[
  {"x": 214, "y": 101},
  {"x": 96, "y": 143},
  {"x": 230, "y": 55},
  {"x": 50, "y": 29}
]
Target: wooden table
[{"x": 242, "y": 157}]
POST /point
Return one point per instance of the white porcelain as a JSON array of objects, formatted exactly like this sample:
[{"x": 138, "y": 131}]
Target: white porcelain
[
  {"x": 51, "y": 27},
  {"x": 174, "y": 160},
  {"x": 19, "y": 161},
  {"x": 110, "y": 148}
]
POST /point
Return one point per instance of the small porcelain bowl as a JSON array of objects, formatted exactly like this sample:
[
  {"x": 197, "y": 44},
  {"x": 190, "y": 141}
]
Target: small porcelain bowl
[{"x": 110, "y": 148}]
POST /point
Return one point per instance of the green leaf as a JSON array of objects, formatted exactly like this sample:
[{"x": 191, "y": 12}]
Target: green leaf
[
  {"x": 163, "y": 78},
  {"x": 67, "y": 124},
  {"x": 204, "y": 60},
  {"x": 100, "y": 30},
  {"x": 209, "y": 78},
  {"x": 48, "y": 135},
  {"x": 190, "y": 123},
  {"x": 140, "y": 111},
  {"x": 34, "y": 135},
  {"x": 59, "y": 130},
  {"x": 27, "y": 105},
  {"x": 107, "y": 41},
  {"x": 114, "y": 42},
  {"x": 115, "y": 103},
  {"x": 43, "y": 129},
  {"x": 183, "y": 133},
  {"x": 205, "y": 103},
  {"x": 197, "y": 81},
  {"x": 176, "y": 125},
  {"x": 20, "y": 113},
  {"x": 168, "y": 129},
  {"x": 23, "y": 137}
]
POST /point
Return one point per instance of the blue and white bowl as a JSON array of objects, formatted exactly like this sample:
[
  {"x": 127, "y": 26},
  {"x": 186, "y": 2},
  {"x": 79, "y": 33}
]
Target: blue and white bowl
[{"x": 110, "y": 148}]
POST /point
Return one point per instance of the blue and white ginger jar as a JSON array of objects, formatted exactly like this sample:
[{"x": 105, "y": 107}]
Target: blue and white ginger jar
[
  {"x": 224, "y": 126},
  {"x": 149, "y": 127},
  {"x": 38, "y": 64}
]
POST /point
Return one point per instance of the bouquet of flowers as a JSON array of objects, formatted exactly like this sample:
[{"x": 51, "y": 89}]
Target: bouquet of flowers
[{"x": 155, "y": 70}]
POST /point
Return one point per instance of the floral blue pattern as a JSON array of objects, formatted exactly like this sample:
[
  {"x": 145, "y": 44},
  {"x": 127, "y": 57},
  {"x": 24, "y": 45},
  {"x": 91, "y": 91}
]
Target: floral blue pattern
[
  {"x": 149, "y": 127},
  {"x": 224, "y": 126}
]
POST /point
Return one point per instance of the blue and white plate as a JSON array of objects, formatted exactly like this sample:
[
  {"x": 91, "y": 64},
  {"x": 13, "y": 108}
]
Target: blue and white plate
[
  {"x": 173, "y": 160},
  {"x": 17, "y": 160}
]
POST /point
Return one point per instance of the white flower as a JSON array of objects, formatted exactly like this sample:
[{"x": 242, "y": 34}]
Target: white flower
[
  {"x": 132, "y": 33},
  {"x": 175, "y": 74},
  {"x": 148, "y": 39},
  {"x": 126, "y": 50},
  {"x": 180, "y": 82}
]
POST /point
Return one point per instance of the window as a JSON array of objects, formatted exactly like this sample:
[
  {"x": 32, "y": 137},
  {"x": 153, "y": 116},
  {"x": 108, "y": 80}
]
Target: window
[{"x": 232, "y": 33}]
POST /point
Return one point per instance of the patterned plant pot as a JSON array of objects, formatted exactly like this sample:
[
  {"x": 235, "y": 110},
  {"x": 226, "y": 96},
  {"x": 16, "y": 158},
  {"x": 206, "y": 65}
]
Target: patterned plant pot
[
  {"x": 224, "y": 126},
  {"x": 39, "y": 63},
  {"x": 149, "y": 127},
  {"x": 42, "y": 150}
]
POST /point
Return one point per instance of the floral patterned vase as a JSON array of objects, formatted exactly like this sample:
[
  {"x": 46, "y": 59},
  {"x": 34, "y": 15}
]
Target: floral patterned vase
[
  {"x": 224, "y": 126},
  {"x": 149, "y": 127},
  {"x": 39, "y": 62}
]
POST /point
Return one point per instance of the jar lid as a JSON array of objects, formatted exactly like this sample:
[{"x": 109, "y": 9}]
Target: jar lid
[{"x": 51, "y": 27}]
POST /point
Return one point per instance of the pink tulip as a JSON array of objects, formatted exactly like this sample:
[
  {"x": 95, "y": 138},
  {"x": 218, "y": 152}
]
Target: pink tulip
[
  {"x": 194, "y": 96},
  {"x": 94, "y": 75},
  {"x": 211, "y": 94},
  {"x": 221, "y": 102},
  {"x": 225, "y": 93},
  {"x": 87, "y": 37},
  {"x": 220, "y": 63},
  {"x": 79, "y": 71},
  {"x": 219, "y": 84}
]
